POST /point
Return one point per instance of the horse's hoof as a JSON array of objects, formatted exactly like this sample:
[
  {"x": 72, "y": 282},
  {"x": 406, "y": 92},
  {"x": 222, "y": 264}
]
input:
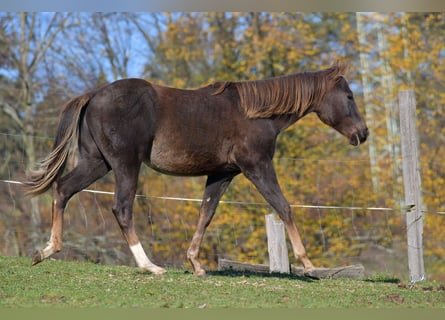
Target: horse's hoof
[
  {"x": 200, "y": 273},
  {"x": 310, "y": 274},
  {"x": 36, "y": 258},
  {"x": 154, "y": 270},
  {"x": 158, "y": 271}
]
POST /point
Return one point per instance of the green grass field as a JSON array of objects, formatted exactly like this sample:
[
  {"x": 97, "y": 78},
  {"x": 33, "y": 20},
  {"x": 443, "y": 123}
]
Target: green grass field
[{"x": 55, "y": 283}]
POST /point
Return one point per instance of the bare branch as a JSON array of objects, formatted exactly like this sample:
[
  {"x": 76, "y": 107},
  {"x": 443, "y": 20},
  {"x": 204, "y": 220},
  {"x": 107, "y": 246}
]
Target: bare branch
[{"x": 11, "y": 112}]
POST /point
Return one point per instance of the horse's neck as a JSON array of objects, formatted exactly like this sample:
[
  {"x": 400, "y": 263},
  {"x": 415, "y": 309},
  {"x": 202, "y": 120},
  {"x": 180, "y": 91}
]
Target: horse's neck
[{"x": 282, "y": 122}]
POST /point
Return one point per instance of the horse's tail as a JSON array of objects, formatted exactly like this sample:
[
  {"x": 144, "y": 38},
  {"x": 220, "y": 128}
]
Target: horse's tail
[{"x": 48, "y": 169}]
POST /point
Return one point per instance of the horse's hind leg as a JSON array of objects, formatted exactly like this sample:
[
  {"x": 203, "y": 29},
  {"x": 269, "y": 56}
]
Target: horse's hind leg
[
  {"x": 55, "y": 242},
  {"x": 86, "y": 172},
  {"x": 126, "y": 184}
]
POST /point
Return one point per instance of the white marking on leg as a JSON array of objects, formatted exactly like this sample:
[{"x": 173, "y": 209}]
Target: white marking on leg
[
  {"x": 47, "y": 251},
  {"x": 50, "y": 248},
  {"x": 142, "y": 260}
]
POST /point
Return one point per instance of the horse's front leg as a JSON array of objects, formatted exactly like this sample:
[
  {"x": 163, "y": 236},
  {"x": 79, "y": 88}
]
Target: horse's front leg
[
  {"x": 262, "y": 175},
  {"x": 214, "y": 189}
]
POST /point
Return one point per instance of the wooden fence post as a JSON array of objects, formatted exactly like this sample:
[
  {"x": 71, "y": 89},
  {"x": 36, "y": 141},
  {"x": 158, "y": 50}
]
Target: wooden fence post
[
  {"x": 412, "y": 185},
  {"x": 276, "y": 244}
]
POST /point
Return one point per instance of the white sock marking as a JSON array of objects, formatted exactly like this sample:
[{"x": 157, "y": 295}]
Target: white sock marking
[{"x": 142, "y": 260}]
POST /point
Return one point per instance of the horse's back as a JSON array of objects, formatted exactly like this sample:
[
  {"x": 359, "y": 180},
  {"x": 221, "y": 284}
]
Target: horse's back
[{"x": 175, "y": 131}]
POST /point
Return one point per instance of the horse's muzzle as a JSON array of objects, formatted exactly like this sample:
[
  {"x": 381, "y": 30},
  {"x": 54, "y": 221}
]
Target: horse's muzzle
[{"x": 359, "y": 137}]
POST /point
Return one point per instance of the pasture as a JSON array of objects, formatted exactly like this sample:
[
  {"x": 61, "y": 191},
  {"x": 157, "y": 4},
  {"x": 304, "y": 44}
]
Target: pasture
[{"x": 64, "y": 284}]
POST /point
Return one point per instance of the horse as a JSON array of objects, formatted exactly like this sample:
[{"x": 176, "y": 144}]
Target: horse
[{"x": 219, "y": 131}]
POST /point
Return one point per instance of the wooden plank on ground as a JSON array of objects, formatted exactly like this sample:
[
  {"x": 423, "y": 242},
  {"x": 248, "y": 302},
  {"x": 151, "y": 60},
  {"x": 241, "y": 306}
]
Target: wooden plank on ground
[
  {"x": 224, "y": 265},
  {"x": 356, "y": 271},
  {"x": 353, "y": 271}
]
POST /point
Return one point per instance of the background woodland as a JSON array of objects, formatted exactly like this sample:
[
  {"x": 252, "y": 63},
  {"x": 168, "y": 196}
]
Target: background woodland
[{"x": 48, "y": 58}]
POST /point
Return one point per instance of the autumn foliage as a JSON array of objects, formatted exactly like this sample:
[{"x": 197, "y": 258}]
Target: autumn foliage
[{"x": 315, "y": 166}]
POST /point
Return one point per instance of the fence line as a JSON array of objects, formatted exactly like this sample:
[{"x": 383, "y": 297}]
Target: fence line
[
  {"x": 305, "y": 206},
  {"x": 27, "y": 135}
]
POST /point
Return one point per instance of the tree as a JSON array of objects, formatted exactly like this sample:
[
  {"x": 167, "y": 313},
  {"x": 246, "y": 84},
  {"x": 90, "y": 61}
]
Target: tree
[
  {"x": 48, "y": 58},
  {"x": 23, "y": 51}
]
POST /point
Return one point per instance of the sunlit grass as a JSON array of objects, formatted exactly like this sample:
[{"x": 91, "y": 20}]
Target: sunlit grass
[{"x": 55, "y": 283}]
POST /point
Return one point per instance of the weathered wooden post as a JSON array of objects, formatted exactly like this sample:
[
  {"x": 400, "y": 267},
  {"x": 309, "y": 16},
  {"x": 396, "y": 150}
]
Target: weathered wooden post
[
  {"x": 276, "y": 244},
  {"x": 412, "y": 185}
]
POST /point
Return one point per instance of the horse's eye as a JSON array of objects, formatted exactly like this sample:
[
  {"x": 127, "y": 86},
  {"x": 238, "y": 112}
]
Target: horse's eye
[{"x": 350, "y": 97}]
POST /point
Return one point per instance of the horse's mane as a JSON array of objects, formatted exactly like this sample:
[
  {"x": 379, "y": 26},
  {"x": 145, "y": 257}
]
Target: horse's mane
[{"x": 292, "y": 93}]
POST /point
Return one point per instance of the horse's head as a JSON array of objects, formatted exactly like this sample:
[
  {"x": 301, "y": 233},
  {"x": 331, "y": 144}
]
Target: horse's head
[{"x": 338, "y": 110}]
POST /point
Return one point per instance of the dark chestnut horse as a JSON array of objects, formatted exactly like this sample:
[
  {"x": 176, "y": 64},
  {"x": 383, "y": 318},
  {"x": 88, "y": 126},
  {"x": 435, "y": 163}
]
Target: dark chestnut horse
[{"x": 220, "y": 131}]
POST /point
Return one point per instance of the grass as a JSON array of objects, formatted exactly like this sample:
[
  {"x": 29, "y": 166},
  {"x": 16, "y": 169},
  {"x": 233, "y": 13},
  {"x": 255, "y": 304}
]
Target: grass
[{"x": 55, "y": 283}]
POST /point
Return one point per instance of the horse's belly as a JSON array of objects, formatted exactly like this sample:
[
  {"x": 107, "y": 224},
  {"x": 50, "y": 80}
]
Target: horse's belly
[{"x": 184, "y": 162}]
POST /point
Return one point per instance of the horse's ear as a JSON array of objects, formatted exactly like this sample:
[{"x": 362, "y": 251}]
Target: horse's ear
[
  {"x": 337, "y": 70},
  {"x": 341, "y": 66}
]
